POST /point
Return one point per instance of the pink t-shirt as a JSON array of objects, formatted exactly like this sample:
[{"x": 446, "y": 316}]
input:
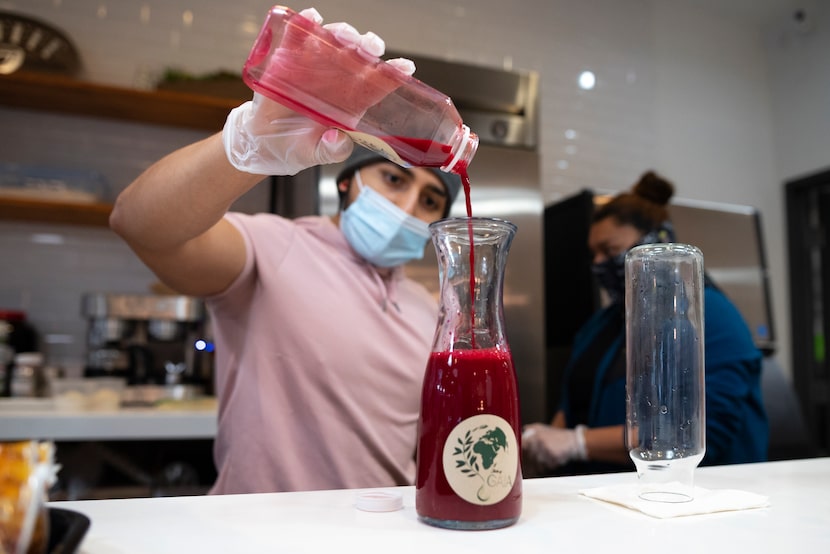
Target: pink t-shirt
[{"x": 319, "y": 363}]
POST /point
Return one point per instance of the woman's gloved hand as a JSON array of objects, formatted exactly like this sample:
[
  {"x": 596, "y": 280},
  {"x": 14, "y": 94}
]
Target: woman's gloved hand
[
  {"x": 548, "y": 447},
  {"x": 266, "y": 138}
]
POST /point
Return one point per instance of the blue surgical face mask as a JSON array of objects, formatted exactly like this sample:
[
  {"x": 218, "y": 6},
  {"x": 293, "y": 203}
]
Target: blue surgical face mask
[{"x": 381, "y": 232}]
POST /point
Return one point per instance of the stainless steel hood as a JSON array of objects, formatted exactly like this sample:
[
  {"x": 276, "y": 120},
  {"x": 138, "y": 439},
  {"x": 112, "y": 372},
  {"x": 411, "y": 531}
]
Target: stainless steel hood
[{"x": 499, "y": 105}]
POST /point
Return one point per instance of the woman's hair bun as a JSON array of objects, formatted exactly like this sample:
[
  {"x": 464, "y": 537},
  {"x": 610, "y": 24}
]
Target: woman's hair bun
[{"x": 654, "y": 188}]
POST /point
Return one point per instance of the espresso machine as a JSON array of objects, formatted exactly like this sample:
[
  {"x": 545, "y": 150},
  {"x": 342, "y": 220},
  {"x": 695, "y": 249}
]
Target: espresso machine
[{"x": 148, "y": 339}]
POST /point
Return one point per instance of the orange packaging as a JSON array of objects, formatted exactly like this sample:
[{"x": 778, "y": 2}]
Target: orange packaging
[{"x": 27, "y": 469}]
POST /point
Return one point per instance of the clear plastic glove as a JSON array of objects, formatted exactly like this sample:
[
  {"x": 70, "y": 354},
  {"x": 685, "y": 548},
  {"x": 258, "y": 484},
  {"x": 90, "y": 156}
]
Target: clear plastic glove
[
  {"x": 548, "y": 447},
  {"x": 266, "y": 138}
]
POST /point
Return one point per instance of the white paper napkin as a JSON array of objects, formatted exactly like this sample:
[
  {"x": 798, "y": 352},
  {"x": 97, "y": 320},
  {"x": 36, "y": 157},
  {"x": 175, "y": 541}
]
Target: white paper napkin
[{"x": 704, "y": 501}]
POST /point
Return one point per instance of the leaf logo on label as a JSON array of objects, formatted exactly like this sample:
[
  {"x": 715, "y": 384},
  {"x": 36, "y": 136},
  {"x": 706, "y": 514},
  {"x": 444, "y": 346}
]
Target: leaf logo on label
[{"x": 481, "y": 459}]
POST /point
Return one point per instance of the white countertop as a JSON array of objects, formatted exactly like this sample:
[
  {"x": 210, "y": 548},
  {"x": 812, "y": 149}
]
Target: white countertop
[
  {"x": 555, "y": 518},
  {"x": 120, "y": 424}
]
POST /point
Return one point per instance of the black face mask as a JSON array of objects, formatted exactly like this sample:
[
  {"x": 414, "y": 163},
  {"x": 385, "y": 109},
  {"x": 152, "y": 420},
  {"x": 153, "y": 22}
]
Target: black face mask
[{"x": 610, "y": 274}]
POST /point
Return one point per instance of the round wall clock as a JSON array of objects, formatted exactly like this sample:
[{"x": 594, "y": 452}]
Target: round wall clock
[{"x": 33, "y": 45}]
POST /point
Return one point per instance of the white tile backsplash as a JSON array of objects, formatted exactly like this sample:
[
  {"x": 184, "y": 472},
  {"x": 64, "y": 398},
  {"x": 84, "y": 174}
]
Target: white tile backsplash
[{"x": 47, "y": 281}]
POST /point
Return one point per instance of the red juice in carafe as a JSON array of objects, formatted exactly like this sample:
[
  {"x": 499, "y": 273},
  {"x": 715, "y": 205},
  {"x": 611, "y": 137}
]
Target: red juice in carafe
[{"x": 468, "y": 449}]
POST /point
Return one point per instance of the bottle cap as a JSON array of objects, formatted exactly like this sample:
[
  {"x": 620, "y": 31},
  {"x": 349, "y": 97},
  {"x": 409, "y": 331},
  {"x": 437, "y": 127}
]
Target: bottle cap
[
  {"x": 460, "y": 150},
  {"x": 379, "y": 501}
]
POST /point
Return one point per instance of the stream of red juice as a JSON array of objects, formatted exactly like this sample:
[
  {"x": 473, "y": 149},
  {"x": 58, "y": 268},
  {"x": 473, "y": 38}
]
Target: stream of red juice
[{"x": 465, "y": 182}]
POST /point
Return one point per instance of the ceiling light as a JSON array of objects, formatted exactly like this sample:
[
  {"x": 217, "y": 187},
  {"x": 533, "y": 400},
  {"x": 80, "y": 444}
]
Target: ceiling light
[{"x": 587, "y": 80}]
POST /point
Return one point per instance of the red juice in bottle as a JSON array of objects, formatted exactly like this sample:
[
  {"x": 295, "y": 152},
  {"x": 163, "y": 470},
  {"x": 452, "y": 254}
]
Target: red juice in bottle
[
  {"x": 469, "y": 474},
  {"x": 422, "y": 152}
]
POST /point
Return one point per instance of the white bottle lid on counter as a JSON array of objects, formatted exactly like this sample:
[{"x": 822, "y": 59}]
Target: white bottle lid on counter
[{"x": 379, "y": 501}]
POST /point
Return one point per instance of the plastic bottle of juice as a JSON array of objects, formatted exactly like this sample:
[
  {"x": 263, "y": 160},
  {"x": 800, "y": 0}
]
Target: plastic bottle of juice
[{"x": 300, "y": 64}]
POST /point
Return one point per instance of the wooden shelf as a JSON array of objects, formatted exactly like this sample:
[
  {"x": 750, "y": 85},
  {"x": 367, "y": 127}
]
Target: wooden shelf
[
  {"x": 58, "y": 94},
  {"x": 40, "y": 91},
  {"x": 19, "y": 209}
]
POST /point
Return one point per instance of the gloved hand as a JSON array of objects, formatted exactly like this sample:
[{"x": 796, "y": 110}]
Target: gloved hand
[
  {"x": 266, "y": 138},
  {"x": 549, "y": 447}
]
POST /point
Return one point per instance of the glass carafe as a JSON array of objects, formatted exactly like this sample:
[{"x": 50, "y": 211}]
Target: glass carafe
[
  {"x": 469, "y": 472},
  {"x": 665, "y": 420}
]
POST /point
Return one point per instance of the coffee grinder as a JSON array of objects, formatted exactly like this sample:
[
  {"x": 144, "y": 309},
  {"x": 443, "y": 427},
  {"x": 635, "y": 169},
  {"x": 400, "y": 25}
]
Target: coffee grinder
[{"x": 148, "y": 339}]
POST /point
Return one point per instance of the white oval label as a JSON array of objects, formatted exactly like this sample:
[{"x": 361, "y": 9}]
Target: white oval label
[
  {"x": 481, "y": 459},
  {"x": 377, "y": 145}
]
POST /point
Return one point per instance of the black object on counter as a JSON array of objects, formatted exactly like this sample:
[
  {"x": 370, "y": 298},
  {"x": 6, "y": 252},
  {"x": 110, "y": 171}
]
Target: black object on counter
[
  {"x": 21, "y": 338},
  {"x": 66, "y": 530}
]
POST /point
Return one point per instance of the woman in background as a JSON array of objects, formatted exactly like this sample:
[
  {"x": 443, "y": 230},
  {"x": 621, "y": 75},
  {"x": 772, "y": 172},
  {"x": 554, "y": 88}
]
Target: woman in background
[{"x": 586, "y": 434}]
